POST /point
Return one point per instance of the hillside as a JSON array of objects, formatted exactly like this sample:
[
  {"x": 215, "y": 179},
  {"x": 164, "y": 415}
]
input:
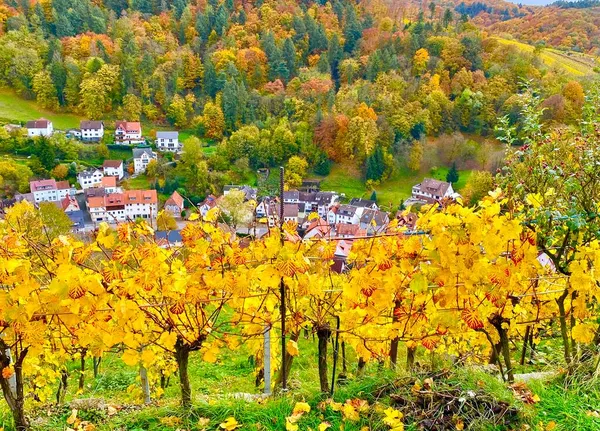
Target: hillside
[
  {"x": 574, "y": 63},
  {"x": 564, "y": 29}
]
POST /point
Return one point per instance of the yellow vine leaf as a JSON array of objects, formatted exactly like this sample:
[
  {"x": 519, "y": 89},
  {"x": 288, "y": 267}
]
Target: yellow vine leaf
[
  {"x": 130, "y": 357},
  {"x": 230, "y": 424},
  {"x": 583, "y": 333}
]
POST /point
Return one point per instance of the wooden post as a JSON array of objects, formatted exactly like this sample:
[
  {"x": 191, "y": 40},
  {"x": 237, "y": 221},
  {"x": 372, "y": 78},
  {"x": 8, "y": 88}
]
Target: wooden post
[
  {"x": 282, "y": 288},
  {"x": 267, "y": 360},
  {"x": 145, "y": 384}
]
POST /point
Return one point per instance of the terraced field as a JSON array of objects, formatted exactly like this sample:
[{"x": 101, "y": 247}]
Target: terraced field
[{"x": 575, "y": 63}]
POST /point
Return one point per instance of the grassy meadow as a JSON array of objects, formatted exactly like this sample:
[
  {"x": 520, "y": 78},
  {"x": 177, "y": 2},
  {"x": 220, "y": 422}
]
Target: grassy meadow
[
  {"x": 14, "y": 109},
  {"x": 227, "y": 388},
  {"x": 575, "y": 63}
]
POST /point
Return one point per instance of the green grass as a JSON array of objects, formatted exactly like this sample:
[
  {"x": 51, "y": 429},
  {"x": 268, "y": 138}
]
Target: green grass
[
  {"x": 575, "y": 63},
  {"x": 391, "y": 192},
  {"x": 14, "y": 109},
  {"x": 138, "y": 182}
]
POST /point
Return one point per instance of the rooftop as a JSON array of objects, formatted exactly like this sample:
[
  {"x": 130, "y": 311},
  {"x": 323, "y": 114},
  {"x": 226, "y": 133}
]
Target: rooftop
[
  {"x": 42, "y": 123},
  {"x": 167, "y": 135}
]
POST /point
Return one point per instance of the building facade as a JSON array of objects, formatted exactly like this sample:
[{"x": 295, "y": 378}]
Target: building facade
[
  {"x": 91, "y": 131},
  {"x": 141, "y": 158},
  {"x": 50, "y": 190},
  {"x": 168, "y": 141},
  {"x": 129, "y": 205},
  {"x": 113, "y": 168},
  {"x": 90, "y": 178},
  {"x": 128, "y": 133},
  {"x": 41, "y": 127}
]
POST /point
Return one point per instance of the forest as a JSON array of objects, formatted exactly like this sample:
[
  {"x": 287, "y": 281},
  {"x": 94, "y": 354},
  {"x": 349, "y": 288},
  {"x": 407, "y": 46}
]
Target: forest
[{"x": 264, "y": 81}]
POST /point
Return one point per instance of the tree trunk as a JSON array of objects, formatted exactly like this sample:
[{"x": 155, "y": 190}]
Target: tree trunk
[
  {"x": 62, "y": 386},
  {"x": 525, "y": 341},
  {"x": 564, "y": 331},
  {"x": 410, "y": 357},
  {"x": 497, "y": 321},
  {"x": 361, "y": 366},
  {"x": 395, "y": 341},
  {"x": 289, "y": 360},
  {"x": 182, "y": 355},
  {"x": 323, "y": 334},
  {"x": 82, "y": 373},
  {"x": 14, "y": 398},
  {"x": 96, "y": 363},
  {"x": 344, "y": 363}
]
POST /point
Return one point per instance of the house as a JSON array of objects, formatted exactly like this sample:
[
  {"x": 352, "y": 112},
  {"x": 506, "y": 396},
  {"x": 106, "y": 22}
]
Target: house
[
  {"x": 41, "y": 127},
  {"x": 248, "y": 191},
  {"x": 128, "y": 132},
  {"x": 166, "y": 239},
  {"x": 109, "y": 184},
  {"x": 129, "y": 205},
  {"x": 90, "y": 178},
  {"x": 324, "y": 201},
  {"x": 71, "y": 207},
  {"x": 432, "y": 191},
  {"x": 364, "y": 203},
  {"x": 73, "y": 133},
  {"x": 91, "y": 131},
  {"x": 407, "y": 220},
  {"x": 168, "y": 141},
  {"x": 113, "y": 168},
  {"x": 209, "y": 203},
  {"x": 347, "y": 214},
  {"x": 141, "y": 158},
  {"x": 349, "y": 230},
  {"x": 12, "y": 128},
  {"x": 291, "y": 213},
  {"x": 262, "y": 209},
  {"x": 174, "y": 204},
  {"x": 374, "y": 221},
  {"x": 50, "y": 190},
  {"x": 291, "y": 197},
  {"x": 317, "y": 229}
]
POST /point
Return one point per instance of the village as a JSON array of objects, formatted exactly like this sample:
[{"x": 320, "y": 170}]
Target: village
[{"x": 99, "y": 197}]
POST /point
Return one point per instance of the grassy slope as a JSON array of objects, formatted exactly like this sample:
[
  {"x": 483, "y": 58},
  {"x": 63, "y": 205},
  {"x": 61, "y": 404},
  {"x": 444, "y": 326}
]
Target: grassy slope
[
  {"x": 575, "y": 63},
  {"x": 346, "y": 179},
  {"x": 16, "y": 109}
]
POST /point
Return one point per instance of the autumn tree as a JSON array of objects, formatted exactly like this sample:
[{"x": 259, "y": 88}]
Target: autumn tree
[
  {"x": 415, "y": 157},
  {"x": 166, "y": 221},
  {"x": 237, "y": 208},
  {"x": 295, "y": 172},
  {"x": 131, "y": 107}
]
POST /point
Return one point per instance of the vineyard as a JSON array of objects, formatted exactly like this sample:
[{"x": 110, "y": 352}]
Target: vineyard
[
  {"x": 465, "y": 285},
  {"x": 490, "y": 283}
]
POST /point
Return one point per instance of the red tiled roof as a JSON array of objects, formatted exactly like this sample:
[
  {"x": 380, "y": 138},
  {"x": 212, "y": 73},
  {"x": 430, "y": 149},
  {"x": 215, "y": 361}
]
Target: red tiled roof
[
  {"x": 43, "y": 185},
  {"x": 42, "y": 123},
  {"x": 112, "y": 164},
  {"x": 129, "y": 126},
  {"x": 109, "y": 181},
  {"x": 175, "y": 199}
]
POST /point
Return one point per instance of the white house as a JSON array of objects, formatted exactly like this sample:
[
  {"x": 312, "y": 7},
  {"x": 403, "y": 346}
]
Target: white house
[
  {"x": 431, "y": 191},
  {"x": 109, "y": 184},
  {"x": 174, "y": 204},
  {"x": 168, "y": 141},
  {"x": 90, "y": 178},
  {"x": 41, "y": 127},
  {"x": 113, "y": 168},
  {"x": 346, "y": 214},
  {"x": 364, "y": 203},
  {"x": 141, "y": 158},
  {"x": 128, "y": 132},
  {"x": 50, "y": 190},
  {"x": 91, "y": 131},
  {"x": 126, "y": 206}
]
